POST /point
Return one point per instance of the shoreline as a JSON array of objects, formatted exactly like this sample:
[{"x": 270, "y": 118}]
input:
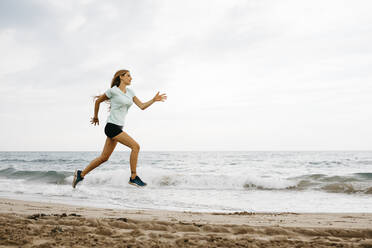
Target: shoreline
[
  {"x": 30, "y": 223},
  {"x": 287, "y": 219}
]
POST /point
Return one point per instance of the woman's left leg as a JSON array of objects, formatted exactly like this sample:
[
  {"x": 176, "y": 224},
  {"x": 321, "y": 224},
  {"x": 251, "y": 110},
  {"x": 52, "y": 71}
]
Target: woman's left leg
[{"x": 128, "y": 141}]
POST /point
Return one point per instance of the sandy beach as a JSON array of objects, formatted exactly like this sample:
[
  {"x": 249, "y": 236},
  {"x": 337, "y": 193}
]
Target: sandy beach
[{"x": 36, "y": 224}]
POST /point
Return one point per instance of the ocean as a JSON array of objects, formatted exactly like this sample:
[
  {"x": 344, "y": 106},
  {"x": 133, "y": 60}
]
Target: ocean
[{"x": 339, "y": 181}]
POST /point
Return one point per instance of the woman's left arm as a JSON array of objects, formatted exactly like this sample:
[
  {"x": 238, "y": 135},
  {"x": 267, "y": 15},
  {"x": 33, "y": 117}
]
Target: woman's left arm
[{"x": 144, "y": 105}]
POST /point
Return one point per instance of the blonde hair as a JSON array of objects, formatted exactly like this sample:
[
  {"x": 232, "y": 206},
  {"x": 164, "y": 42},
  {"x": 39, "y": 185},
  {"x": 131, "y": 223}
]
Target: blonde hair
[{"x": 116, "y": 79}]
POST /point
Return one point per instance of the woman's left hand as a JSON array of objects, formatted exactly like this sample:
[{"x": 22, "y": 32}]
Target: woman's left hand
[{"x": 161, "y": 97}]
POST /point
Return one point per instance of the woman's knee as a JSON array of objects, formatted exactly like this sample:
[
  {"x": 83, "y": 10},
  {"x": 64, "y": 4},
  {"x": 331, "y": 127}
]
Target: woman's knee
[{"x": 136, "y": 147}]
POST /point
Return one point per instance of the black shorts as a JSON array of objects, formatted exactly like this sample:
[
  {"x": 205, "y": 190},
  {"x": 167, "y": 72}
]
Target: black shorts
[{"x": 111, "y": 130}]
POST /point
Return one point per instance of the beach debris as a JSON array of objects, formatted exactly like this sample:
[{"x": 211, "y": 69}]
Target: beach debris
[
  {"x": 76, "y": 215},
  {"x": 35, "y": 216},
  {"x": 122, "y": 219},
  {"x": 56, "y": 229}
]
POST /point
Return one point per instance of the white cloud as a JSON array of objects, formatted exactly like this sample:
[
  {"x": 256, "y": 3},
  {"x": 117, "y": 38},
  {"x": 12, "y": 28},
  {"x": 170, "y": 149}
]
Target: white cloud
[
  {"x": 75, "y": 23},
  {"x": 238, "y": 74},
  {"x": 15, "y": 56}
]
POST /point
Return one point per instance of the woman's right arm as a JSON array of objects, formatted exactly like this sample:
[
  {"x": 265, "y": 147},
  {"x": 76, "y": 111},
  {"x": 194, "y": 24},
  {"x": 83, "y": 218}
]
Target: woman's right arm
[{"x": 100, "y": 99}]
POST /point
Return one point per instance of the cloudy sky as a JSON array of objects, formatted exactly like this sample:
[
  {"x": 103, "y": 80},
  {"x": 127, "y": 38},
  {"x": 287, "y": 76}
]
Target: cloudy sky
[{"x": 239, "y": 74}]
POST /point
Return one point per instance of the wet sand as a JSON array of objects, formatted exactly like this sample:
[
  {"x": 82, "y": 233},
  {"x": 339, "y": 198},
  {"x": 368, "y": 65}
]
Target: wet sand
[{"x": 36, "y": 224}]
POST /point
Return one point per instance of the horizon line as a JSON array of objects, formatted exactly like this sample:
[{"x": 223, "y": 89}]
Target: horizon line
[{"x": 352, "y": 150}]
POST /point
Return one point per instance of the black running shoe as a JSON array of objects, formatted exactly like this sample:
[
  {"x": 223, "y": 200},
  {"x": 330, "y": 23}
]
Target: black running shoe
[
  {"x": 77, "y": 178},
  {"x": 137, "y": 182}
]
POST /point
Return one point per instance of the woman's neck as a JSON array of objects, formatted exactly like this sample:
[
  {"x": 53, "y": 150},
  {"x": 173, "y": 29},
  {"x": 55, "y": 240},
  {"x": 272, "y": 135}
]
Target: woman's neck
[{"x": 123, "y": 87}]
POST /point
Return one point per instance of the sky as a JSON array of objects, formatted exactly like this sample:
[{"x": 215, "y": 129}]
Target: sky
[{"x": 245, "y": 75}]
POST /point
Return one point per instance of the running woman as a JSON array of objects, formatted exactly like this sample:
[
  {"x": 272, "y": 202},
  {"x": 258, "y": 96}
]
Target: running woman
[{"x": 121, "y": 98}]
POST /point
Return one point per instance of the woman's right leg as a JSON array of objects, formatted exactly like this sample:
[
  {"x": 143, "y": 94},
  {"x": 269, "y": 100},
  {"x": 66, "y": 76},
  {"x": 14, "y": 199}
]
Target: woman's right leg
[{"x": 105, "y": 155}]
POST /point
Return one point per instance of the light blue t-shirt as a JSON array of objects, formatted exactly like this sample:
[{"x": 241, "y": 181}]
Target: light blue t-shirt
[{"x": 120, "y": 103}]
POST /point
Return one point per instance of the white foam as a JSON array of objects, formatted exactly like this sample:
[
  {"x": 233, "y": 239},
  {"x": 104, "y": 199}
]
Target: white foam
[{"x": 158, "y": 178}]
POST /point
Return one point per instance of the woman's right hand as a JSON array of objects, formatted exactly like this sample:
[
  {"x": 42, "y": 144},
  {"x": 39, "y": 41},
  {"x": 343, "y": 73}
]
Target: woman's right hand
[{"x": 94, "y": 121}]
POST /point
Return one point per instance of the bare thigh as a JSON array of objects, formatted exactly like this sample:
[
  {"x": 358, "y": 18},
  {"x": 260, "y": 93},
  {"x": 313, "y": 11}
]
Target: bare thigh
[
  {"x": 126, "y": 140},
  {"x": 108, "y": 148}
]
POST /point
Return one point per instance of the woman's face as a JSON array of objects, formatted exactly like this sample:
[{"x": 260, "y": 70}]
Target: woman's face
[{"x": 126, "y": 78}]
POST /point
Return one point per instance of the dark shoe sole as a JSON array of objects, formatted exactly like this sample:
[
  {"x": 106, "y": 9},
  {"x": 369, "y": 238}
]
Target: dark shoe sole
[{"x": 134, "y": 184}]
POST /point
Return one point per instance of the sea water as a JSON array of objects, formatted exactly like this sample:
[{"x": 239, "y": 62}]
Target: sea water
[{"x": 196, "y": 181}]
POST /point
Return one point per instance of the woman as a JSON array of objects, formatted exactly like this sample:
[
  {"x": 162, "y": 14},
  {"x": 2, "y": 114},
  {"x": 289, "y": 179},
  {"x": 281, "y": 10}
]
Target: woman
[{"x": 121, "y": 98}]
